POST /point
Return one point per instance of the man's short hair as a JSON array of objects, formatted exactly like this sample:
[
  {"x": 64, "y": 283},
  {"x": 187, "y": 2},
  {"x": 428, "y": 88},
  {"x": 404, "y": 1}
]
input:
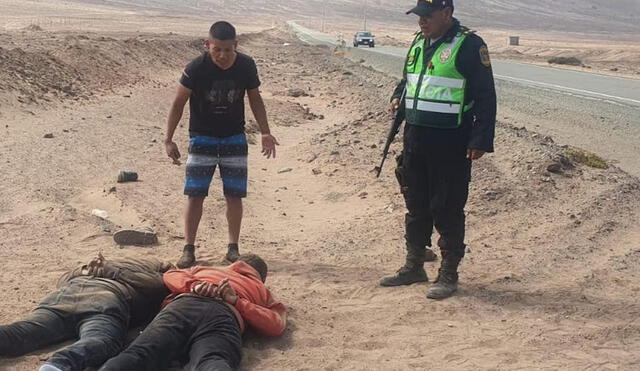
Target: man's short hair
[
  {"x": 222, "y": 31},
  {"x": 257, "y": 263}
]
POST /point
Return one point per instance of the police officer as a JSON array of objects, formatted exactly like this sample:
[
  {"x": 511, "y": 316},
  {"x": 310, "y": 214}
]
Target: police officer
[{"x": 450, "y": 102}]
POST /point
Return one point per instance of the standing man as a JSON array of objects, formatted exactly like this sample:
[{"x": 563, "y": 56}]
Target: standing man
[
  {"x": 450, "y": 105},
  {"x": 215, "y": 84}
]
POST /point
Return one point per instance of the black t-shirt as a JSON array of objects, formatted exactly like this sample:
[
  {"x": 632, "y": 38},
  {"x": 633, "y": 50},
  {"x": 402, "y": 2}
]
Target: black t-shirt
[{"x": 217, "y": 95}]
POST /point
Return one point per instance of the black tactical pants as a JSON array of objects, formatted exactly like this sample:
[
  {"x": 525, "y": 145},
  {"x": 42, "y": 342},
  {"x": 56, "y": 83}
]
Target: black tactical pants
[{"x": 435, "y": 177}]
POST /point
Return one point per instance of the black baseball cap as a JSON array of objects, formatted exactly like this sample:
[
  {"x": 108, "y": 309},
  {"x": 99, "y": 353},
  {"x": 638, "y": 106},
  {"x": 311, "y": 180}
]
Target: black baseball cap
[{"x": 426, "y": 7}]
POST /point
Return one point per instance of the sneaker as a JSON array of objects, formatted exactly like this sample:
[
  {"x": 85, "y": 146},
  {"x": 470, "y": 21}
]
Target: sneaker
[
  {"x": 405, "y": 276},
  {"x": 49, "y": 367},
  {"x": 138, "y": 237},
  {"x": 233, "y": 252},
  {"x": 188, "y": 258}
]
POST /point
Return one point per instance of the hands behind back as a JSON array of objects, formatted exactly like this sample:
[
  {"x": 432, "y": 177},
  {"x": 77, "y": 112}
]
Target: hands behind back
[{"x": 223, "y": 291}]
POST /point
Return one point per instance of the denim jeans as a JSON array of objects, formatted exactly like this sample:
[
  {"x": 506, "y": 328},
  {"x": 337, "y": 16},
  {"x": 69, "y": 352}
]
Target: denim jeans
[
  {"x": 94, "y": 315},
  {"x": 201, "y": 329}
]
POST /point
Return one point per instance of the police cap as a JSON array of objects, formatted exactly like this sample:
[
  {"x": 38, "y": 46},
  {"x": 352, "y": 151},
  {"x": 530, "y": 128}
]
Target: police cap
[{"x": 426, "y": 7}]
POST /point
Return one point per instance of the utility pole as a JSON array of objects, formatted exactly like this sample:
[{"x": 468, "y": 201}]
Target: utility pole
[
  {"x": 324, "y": 13},
  {"x": 365, "y": 15}
]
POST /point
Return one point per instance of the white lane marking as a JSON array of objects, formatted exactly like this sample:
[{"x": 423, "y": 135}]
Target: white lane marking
[
  {"x": 560, "y": 87},
  {"x": 536, "y": 83}
]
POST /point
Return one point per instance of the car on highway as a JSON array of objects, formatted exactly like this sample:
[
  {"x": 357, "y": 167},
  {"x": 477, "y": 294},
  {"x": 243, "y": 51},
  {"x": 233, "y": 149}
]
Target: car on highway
[{"x": 364, "y": 38}]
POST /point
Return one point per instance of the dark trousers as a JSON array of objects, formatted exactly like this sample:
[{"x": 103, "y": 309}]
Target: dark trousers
[
  {"x": 202, "y": 329},
  {"x": 435, "y": 178},
  {"x": 97, "y": 317}
]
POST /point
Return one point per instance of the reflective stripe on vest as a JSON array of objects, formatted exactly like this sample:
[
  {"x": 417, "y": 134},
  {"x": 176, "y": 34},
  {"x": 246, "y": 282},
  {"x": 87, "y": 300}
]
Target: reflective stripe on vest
[{"x": 435, "y": 89}]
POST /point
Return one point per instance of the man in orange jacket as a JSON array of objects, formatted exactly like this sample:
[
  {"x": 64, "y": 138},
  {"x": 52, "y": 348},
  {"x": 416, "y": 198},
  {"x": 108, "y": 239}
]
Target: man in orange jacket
[{"x": 204, "y": 317}]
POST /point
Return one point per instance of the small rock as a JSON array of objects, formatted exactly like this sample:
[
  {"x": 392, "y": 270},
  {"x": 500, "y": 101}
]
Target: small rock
[
  {"x": 316, "y": 171},
  {"x": 102, "y": 214},
  {"x": 285, "y": 170},
  {"x": 112, "y": 190},
  {"x": 347, "y": 73},
  {"x": 312, "y": 157},
  {"x": 555, "y": 168},
  {"x": 363, "y": 195},
  {"x": 48, "y": 136},
  {"x": 295, "y": 92}
]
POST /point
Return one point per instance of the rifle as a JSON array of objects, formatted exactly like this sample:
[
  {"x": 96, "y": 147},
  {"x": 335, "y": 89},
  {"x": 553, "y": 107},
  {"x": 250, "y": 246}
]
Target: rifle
[{"x": 393, "y": 131}]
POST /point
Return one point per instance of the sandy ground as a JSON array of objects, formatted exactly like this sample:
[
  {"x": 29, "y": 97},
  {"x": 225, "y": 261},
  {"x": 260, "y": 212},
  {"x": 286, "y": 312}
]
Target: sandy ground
[{"x": 550, "y": 280}]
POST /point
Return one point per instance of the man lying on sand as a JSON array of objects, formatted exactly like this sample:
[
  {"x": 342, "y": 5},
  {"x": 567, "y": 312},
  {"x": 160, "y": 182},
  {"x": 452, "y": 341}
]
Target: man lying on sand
[
  {"x": 204, "y": 317},
  {"x": 96, "y": 303}
]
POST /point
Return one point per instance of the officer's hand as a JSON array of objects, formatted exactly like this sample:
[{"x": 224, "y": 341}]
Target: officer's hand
[
  {"x": 395, "y": 105},
  {"x": 474, "y": 154}
]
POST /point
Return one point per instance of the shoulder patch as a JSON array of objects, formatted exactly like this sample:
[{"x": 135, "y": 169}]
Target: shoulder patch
[{"x": 484, "y": 56}]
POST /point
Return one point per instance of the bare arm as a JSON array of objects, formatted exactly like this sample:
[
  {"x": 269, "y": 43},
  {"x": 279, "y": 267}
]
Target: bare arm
[
  {"x": 269, "y": 142},
  {"x": 258, "y": 109},
  {"x": 175, "y": 114}
]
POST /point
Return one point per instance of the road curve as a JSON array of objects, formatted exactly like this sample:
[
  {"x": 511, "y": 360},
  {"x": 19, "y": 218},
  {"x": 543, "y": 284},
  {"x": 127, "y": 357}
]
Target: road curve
[
  {"x": 622, "y": 90},
  {"x": 598, "y": 113}
]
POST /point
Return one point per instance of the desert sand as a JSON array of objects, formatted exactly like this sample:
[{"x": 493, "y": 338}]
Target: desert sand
[{"x": 551, "y": 276}]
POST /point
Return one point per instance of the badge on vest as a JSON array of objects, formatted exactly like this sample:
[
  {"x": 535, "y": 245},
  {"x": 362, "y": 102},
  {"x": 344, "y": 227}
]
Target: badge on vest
[
  {"x": 413, "y": 58},
  {"x": 445, "y": 55},
  {"x": 484, "y": 56}
]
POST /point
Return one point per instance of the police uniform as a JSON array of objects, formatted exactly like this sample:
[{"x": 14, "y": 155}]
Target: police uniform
[{"x": 450, "y": 103}]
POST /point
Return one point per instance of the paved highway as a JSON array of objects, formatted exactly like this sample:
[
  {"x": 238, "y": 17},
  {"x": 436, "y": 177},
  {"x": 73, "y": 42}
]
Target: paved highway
[
  {"x": 580, "y": 83},
  {"x": 596, "y": 112}
]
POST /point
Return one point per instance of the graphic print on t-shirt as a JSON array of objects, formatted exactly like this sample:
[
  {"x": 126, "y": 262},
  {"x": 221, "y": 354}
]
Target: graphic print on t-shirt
[{"x": 222, "y": 95}]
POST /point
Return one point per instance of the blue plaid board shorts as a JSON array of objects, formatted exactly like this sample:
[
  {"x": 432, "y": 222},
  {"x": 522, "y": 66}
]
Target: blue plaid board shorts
[{"x": 207, "y": 153}]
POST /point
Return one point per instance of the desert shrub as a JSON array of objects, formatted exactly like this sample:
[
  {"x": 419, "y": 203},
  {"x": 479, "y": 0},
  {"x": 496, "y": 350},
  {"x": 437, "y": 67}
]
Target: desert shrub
[
  {"x": 586, "y": 158},
  {"x": 571, "y": 61}
]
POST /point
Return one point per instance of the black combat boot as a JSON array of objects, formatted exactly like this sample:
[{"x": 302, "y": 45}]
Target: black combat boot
[
  {"x": 233, "y": 252},
  {"x": 188, "y": 258},
  {"x": 447, "y": 281},
  {"x": 412, "y": 271}
]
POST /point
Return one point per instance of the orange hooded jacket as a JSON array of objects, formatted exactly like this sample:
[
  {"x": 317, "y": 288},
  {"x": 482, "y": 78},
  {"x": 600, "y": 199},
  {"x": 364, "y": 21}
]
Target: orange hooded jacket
[{"x": 255, "y": 305}]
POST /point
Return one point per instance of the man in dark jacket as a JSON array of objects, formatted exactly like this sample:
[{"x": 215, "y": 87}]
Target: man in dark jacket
[
  {"x": 450, "y": 103},
  {"x": 96, "y": 303}
]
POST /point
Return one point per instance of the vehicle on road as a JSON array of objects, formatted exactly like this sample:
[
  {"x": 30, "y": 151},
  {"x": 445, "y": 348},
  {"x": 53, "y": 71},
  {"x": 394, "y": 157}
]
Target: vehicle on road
[{"x": 364, "y": 38}]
